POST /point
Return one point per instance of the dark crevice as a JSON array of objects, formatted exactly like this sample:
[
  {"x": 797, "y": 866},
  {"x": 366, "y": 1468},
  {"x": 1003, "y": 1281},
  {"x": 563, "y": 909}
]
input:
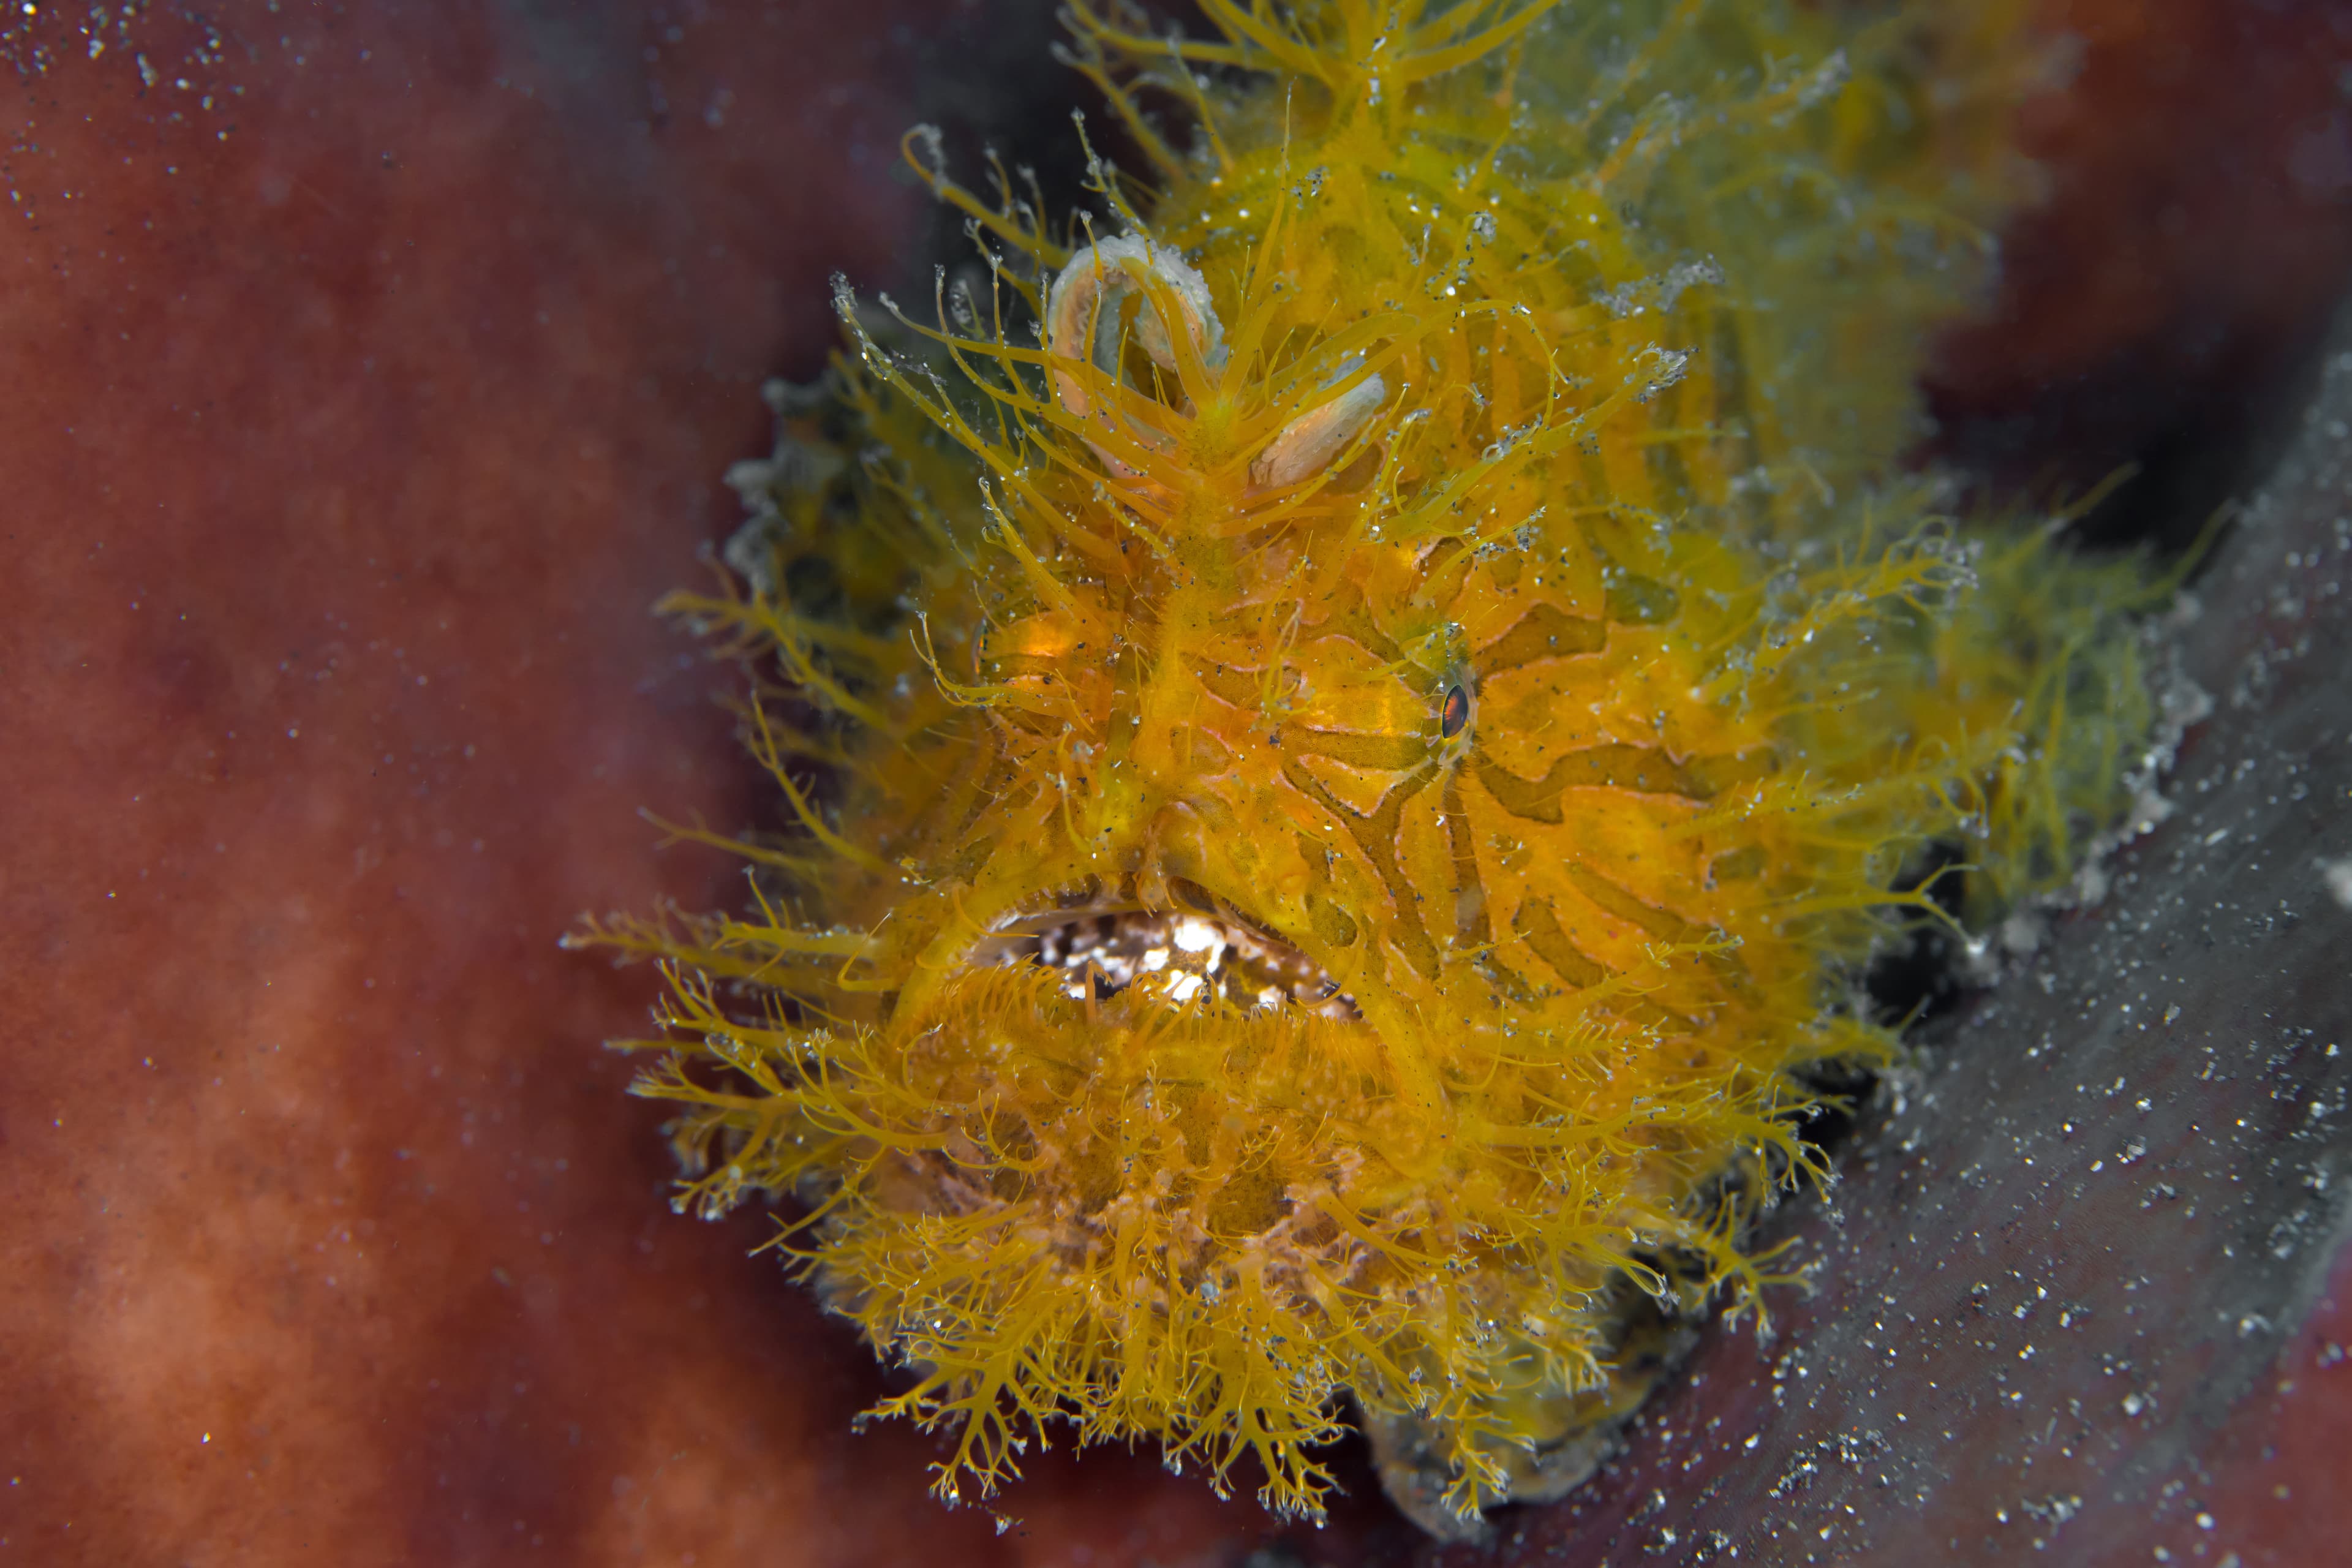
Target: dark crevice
[
  {"x": 987, "y": 79},
  {"x": 2191, "y": 444},
  {"x": 1918, "y": 977}
]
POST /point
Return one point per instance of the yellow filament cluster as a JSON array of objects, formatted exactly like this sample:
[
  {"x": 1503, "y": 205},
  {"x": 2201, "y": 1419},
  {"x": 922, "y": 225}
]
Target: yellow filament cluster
[{"x": 1452, "y": 533}]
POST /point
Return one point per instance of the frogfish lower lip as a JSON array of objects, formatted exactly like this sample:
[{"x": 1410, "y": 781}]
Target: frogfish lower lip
[{"x": 1188, "y": 956}]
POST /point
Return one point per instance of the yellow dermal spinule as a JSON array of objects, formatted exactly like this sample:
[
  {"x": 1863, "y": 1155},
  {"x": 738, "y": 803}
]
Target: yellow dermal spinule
[{"x": 1343, "y": 743}]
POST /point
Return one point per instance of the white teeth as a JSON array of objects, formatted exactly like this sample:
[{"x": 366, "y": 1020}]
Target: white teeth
[
  {"x": 1101, "y": 952},
  {"x": 1192, "y": 934}
]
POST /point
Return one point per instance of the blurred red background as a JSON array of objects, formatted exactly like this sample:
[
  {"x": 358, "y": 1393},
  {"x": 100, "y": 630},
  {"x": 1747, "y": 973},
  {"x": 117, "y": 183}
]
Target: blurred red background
[{"x": 369, "y": 371}]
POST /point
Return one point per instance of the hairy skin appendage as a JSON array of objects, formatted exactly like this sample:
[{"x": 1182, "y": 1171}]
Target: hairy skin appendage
[{"x": 1344, "y": 736}]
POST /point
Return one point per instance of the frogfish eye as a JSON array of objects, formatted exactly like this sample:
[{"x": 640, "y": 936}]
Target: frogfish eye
[{"x": 1454, "y": 717}]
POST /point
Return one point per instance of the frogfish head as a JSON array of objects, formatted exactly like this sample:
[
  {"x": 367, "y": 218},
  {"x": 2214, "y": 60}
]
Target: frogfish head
[{"x": 1311, "y": 692}]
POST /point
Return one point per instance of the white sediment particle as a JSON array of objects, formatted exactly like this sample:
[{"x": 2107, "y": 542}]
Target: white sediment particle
[{"x": 2337, "y": 876}]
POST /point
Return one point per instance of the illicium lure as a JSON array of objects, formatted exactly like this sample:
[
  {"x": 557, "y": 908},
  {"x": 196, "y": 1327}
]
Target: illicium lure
[{"x": 1342, "y": 736}]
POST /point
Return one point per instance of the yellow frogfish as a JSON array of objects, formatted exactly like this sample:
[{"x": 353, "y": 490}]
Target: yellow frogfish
[{"x": 1344, "y": 726}]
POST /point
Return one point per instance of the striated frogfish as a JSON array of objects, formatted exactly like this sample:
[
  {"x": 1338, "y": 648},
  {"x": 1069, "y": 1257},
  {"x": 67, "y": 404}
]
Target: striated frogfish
[{"x": 1344, "y": 721}]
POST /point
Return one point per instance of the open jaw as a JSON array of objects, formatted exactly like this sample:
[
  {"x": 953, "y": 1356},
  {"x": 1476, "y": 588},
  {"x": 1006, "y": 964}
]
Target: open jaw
[{"x": 1187, "y": 956}]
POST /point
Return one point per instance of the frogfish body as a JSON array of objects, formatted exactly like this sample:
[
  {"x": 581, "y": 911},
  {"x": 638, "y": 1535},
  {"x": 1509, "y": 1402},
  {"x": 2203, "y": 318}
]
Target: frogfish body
[{"x": 1343, "y": 731}]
